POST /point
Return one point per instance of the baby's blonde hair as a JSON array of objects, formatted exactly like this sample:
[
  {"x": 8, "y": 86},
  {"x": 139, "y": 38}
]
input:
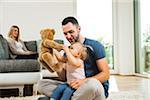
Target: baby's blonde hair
[{"x": 83, "y": 51}]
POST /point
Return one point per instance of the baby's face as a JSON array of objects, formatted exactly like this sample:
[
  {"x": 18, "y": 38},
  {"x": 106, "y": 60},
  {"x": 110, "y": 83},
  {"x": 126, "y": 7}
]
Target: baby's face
[{"x": 75, "y": 49}]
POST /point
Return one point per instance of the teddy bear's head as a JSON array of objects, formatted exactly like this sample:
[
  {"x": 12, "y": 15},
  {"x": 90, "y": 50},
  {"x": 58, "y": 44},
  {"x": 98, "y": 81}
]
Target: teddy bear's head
[{"x": 47, "y": 34}]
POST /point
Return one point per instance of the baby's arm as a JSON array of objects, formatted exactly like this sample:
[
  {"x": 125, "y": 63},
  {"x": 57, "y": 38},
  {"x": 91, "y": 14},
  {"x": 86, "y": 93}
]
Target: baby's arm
[
  {"x": 59, "y": 56},
  {"x": 71, "y": 59}
]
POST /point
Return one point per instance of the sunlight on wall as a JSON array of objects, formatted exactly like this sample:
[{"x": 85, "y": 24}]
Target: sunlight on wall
[
  {"x": 95, "y": 18},
  {"x": 33, "y": 15}
]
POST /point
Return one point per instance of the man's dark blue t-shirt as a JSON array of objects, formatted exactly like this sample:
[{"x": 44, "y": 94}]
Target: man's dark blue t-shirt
[{"x": 95, "y": 51}]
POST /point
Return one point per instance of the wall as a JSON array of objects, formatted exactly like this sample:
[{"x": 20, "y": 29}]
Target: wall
[{"x": 33, "y": 15}]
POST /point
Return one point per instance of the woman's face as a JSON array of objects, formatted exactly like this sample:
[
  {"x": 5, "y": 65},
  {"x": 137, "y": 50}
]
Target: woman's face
[{"x": 15, "y": 32}]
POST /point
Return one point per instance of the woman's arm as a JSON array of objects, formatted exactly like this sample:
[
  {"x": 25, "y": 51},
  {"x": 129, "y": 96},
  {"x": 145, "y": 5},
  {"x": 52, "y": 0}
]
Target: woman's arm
[
  {"x": 26, "y": 50},
  {"x": 13, "y": 48},
  {"x": 24, "y": 47}
]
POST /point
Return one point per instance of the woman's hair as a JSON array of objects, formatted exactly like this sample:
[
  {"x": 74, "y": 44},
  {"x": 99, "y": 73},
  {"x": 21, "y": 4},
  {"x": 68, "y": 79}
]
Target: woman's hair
[{"x": 10, "y": 32}]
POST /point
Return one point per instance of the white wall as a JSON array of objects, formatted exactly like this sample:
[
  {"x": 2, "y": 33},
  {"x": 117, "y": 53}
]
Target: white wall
[
  {"x": 33, "y": 15},
  {"x": 124, "y": 36}
]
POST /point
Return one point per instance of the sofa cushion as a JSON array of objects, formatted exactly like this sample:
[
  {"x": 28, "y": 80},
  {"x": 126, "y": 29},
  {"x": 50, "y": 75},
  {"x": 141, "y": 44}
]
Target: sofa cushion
[
  {"x": 27, "y": 65},
  {"x": 2, "y": 54},
  {"x": 4, "y": 50},
  {"x": 31, "y": 45}
]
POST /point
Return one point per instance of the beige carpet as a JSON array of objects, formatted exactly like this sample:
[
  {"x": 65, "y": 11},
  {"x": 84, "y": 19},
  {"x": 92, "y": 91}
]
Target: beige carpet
[
  {"x": 123, "y": 95},
  {"x": 127, "y": 95},
  {"x": 22, "y": 98}
]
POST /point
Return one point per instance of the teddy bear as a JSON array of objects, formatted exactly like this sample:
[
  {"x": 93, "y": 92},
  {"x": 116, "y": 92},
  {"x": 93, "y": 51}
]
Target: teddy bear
[{"x": 47, "y": 57}]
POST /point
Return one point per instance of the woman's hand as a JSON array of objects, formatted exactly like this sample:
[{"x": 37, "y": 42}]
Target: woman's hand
[{"x": 30, "y": 52}]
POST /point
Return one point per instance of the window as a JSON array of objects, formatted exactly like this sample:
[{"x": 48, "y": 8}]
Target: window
[
  {"x": 143, "y": 36},
  {"x": 95, "y": 18}
]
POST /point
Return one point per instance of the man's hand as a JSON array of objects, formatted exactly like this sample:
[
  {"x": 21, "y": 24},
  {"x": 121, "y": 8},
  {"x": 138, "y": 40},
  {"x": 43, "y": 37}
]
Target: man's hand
[{"x": 77, "y": 83}]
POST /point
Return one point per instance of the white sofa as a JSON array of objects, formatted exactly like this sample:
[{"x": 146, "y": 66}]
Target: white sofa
[
  {"x": 18, "y": 80},
  {"x": 15, "y": 73}
]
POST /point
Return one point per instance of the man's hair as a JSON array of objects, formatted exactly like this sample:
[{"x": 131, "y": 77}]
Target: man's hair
[{"x": 71, "y": 19}]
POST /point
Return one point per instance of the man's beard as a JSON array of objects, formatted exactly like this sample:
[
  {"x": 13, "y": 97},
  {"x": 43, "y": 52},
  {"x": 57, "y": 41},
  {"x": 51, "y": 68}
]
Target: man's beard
[{"x": 73, "y": 40}]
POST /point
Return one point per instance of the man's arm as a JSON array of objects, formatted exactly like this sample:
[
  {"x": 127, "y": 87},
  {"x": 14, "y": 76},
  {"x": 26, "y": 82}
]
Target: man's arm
[
  {"x": 104, "y": 73},
  {"x": 102, "y": 65},
  {"x": 101, "y": 76}
]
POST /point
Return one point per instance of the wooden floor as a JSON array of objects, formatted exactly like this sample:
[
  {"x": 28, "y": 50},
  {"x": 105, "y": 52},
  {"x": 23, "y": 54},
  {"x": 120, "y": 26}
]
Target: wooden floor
[
  {"x": 120, "y": 83},
  {"x": 130, "y": 83}
]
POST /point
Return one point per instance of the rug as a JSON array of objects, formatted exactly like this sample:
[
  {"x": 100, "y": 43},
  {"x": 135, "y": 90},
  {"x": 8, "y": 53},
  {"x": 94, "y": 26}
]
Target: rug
[
  {"x": 23, "y": 98},
  {"x": 127, "y": 95},
  {"x": 121, "y": 95}
]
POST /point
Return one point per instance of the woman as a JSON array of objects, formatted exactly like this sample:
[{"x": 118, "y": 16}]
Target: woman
[{"x": 17, "y": 46}]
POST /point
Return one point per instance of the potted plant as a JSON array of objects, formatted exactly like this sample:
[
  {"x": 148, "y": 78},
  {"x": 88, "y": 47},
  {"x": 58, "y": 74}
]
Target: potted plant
[
  {"x": 109, "y": 51},
  {"x": 146, "y": 40}
]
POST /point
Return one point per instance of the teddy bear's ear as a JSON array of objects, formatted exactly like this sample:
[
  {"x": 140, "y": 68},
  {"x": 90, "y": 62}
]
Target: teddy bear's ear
[
  {"x": 53, "y": 31},
  {"x": 41, "y": 32}
]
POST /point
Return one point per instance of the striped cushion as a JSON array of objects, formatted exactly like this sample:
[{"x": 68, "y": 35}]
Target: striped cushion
[{"x": 27, "y": 65}]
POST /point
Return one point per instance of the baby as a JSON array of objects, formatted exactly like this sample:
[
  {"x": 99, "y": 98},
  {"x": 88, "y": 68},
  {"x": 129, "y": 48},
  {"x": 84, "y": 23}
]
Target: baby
[{"x": 75, "y": 56}]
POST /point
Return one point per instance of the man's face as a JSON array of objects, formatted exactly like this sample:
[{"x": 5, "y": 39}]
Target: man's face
[{"x": 71, "y": 32}]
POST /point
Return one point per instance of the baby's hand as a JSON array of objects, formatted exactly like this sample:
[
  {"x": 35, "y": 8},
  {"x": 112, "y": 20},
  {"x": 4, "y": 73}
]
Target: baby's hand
[{"x": 65, "y": 48}]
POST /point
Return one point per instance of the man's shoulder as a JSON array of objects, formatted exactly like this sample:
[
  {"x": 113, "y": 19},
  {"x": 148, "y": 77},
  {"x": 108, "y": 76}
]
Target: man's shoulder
[
  {"x": 91, "y": 42},
  {"x": 95, "y": 48}
]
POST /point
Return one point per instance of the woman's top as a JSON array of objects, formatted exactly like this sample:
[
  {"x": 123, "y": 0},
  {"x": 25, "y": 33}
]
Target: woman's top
[{"x": 17, "y": 47}]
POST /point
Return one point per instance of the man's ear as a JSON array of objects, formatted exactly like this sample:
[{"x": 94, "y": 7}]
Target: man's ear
[
  {"x": 79, "y": 28},
  {"x": 53, "y": 31}
]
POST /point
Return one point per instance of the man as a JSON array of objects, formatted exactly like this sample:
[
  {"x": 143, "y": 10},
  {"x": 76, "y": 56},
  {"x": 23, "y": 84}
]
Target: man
[{"x": 95, "y": 85}]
